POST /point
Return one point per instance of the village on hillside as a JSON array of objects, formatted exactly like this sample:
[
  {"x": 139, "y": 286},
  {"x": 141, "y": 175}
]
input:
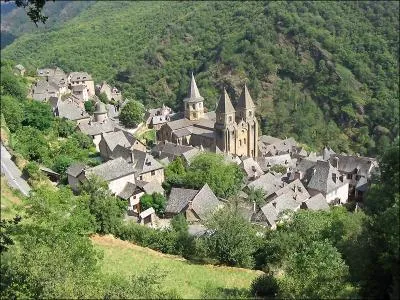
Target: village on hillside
[{"x": 290, "y": 177}]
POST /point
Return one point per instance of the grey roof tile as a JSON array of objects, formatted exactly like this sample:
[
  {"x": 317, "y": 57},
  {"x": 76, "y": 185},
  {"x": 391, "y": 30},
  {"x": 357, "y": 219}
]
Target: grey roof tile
[
  {"x": 178, "y": 199},
  {"x": 112, "y": 169},
  {"x": 317, "y": 202}
]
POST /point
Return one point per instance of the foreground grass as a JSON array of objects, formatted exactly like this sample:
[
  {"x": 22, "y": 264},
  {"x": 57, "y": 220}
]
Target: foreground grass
[
  {"x": 188, "y": 280},
  {"x": 10, "y": 200}
]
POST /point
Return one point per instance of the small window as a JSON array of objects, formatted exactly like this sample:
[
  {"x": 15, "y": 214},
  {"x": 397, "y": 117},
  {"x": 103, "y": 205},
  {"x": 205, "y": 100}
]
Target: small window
[
  {"x": 240, "y": 142},
  {"x": 230, "y": 118},
  {"x": 348, "y": 176},
  {"x": 194, "y": 106},
  {"x": 244, "y": 141},
  {"x": 140, "y": 177},
  {"x": 250, "y": 113},
  {"x": 153, "y": 173}
]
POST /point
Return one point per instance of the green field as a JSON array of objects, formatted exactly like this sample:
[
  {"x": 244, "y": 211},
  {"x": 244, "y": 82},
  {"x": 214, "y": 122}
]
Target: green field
[{"x": 188, "y": 280}]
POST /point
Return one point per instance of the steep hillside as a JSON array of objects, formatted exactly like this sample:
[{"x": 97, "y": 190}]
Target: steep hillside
[
  {"x": 325, "y": 74},
  {"x": 15, "y": 22},
  {"x": 190, "y": 281}
]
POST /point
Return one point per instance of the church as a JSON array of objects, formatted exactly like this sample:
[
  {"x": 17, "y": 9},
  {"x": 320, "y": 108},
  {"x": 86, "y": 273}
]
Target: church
[{"x": 230, "y": 129}]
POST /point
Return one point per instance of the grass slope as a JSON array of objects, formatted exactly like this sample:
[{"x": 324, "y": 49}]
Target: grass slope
[
  {"x": 189, "y": 280},
  {"x": 10, "y": 200}
]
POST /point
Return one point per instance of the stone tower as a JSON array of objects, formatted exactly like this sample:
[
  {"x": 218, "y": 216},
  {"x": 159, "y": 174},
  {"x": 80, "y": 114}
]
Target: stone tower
[
  {"x": 247, "y": 125},
  {"x": 194, "y": 108},
  {"x": 100, "y": 114},
  {"x": 225, "y": 125}
]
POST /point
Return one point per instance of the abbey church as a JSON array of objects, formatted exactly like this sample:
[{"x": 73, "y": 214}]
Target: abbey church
[{"x": 232, "y": 130}]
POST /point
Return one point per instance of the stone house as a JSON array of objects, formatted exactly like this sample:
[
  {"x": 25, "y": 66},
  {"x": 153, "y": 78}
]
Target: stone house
[
  {"x": 69, "y": 110},
  {"x": 112, "y": 93},
  {"x": 148, "y": 217},
  {"x": 357, "y": 170},
  {"x": 117, "y": 172},
  {"x": 110, "y": 140},
  {"x": 44, "y": 90},
  {"x": 329, "y": 182},
  {"x": 81, "y": 78},
  {"x": 157, "y": 117},
  {"x": 76, "y": 175},
  {"x": 251, "y": 168},
  {"x": 80, "y": 91},
  {"x": 19, "y": 70},
  {"x": 196, "y": 205}
]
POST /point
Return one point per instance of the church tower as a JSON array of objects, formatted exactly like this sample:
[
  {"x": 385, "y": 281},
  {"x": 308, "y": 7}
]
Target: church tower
[
  {"x": 194, "y": 108},
  {"x": 225, "y": 125},
  {"x": 247, "y": 129}
]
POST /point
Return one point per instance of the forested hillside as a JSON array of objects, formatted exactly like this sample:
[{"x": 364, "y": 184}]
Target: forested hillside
[{"x": 324, "y": 73}]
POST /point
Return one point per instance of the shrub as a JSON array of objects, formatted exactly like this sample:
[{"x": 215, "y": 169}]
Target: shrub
[
  {"x": 155, "y": 200},
  {"x": 264, "y": 286}
]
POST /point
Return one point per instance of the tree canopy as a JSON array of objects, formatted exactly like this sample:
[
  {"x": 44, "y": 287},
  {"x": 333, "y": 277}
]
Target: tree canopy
[{"x": 132, "y": 114}]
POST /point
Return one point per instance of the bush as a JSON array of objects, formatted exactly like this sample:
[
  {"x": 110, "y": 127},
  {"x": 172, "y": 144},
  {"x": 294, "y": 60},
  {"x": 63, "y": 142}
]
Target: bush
[
  {"x": 264, "y": 286},
  {"x": 132, "y": 114},
  {"x": 278, "y": 169},
  {"x": 155, "y": 200}
]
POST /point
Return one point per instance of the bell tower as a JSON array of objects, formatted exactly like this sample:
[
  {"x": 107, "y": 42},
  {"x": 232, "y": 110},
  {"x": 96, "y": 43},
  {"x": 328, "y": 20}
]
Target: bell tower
[
  {"x": 245, "y": 115},
  {"x": 225, "y": 125},
  {"x": 194, "y": 106}
]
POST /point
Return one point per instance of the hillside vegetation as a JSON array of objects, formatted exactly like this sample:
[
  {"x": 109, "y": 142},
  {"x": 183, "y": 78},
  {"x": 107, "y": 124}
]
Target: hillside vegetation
[
  {"x": 187, "y": 280},
  {"x": 325, "y": 74}
]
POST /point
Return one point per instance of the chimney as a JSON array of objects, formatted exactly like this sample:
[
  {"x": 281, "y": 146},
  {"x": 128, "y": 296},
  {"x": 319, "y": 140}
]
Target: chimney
[
  {"x": 132, "y": 157},
  {"x": 297, "y": 175},
  {"x": 335, "y": 162}
]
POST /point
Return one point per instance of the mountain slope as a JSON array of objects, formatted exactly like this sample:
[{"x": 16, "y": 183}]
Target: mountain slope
[{"x": 325, "y": 74}]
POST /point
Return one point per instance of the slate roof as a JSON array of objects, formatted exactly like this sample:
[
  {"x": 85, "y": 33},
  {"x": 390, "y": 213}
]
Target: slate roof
[
  {"x": 267, "y": 139},
  {"x": 147, "y": 212},
  {"x": 78, "y": 88},
  {"x": 205, "y": 202},
  {"x": 150, "y": 187},
  {"x": 294, "y": 188},
  {"x": 128, "y": 191},
  {"x": 112, "y": 169},
  {"x": 245, "y": 101},
  {"x": 181, "y": 132},
  {"x": 144, "y": 162},
  {"x": 188, "y": 155},
  {"x": 326, "y": 153},
  {"x": 96, "y": 128},
  {"x": 266, "y": 162},
  {"x": 69, "y": 110},
  {"x": 114, "y": 138},
  {"x": 362, "y": 184},
  {"x": 224, "y": 104},
  {"x": 194, "y": 94},
  {"x": 170, "y": 150},
  {"x": 178, "y": 199},
  {"x": 349, "y": 164},
  {"x": 251, "y": 167},
  {"x": 80, "y": 76},
  {"x": 317, "y": 202},
  {"x": 322, "y": 179},
  {"x": 177, "y": 124},
  {"x": 75, "y": 169},
  {"x": 270, "y": 213},
  {"x": 268, "y": 183}
]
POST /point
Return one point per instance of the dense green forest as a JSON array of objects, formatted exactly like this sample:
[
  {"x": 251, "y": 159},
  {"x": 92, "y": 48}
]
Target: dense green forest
[{"x": 323, "y": 73}]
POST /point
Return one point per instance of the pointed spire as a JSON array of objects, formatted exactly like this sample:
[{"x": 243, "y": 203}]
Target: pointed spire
[
  {"x": 225, "y": 105},
  {"x": 194, "y": 94},
  {"x": 245, "y": 101}
]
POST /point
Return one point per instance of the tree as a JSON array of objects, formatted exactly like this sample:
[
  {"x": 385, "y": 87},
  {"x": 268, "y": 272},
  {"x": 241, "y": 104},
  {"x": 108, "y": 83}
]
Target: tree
[
  {"x": 33, "y": 9},
  {"x": 256, "y": 196},
  {"x": 132, "y": 114},
  {"x": 103, "y": 98},
  {"x": 155, "y": 200},
  {"x": 64, "y": 127},
  {"x": 175, "y": 174},
  {"x": 12, "y": 111},
  {"x": 225, "y": 179},
  {"x": 233, "y": 240},
  {"x": 37, "y": 115},
  {"x": 107, "y": 209},
  {"x": 90, "y": 107},
  {"x": 325, "y": 269}
]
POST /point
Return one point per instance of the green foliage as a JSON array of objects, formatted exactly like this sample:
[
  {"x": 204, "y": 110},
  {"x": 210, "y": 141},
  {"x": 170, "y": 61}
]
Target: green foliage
[
  {"x": 256, "y": 196},
  {"x": 31, "y": 143},
  {"x": 107, "y": 209},
  {"x": 179, "y": 223},
  {"x": 132, "y": 114},
  {"x": 13, "y": 112},
  {"x": 233, "y": 241},
  {"x": 103, "y": 98},
  {"x": 12, "y": 85},
  {"x": 6, "y": 229},
  {"x": 37, "y": 115},
  {"x": 278, "y": 169},
  {"x": 223, "y": 178},
  {"x": 325, "y": 269},
  {"x": 64, "y": 127},
  {"x": 175, "y": 174},
  {"x": 155, "y": 200},
  {"x": 90, "y": 107},
  {"x": 264, "y": 286}
]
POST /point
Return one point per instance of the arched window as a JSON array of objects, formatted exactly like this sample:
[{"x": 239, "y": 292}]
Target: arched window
[
  {"x": 240, "y": 142},
  {"x": 194, "y": 106},
  {"x": 230, "y": 118},
  {"x": 200, "y": 104},
  {"x": 244, "y": 141}
]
